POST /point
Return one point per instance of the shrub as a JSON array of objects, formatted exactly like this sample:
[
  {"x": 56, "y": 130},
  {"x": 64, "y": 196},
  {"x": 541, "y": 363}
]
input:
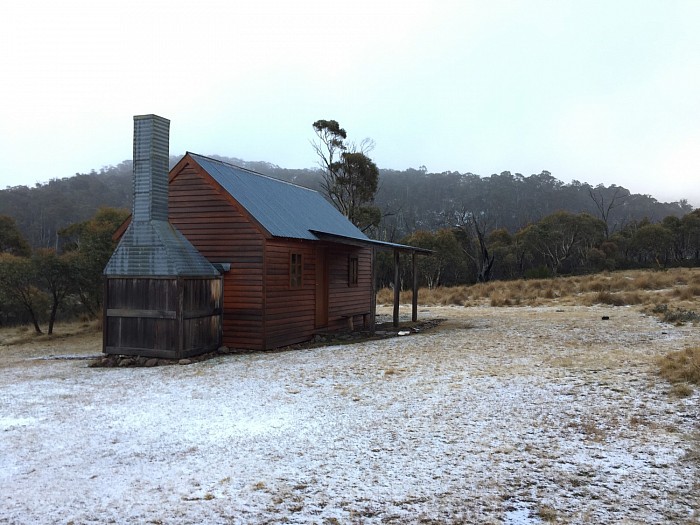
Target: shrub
[{"x": 676, "y": 316}]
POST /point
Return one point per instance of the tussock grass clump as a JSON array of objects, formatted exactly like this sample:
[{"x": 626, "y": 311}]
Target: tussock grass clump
[
  {"x": 657, "y": 280},
  {"x": 25, "y": 334},
  {"x": 693, "y": 454},
  {"x": 612, "y": 299},
  {"x": 681, "y": 368},
  {"x": 686, "y": 293},
  {"x": 633, "y": 298},
  {"x": 617, "y": 298},
  {"x": 682, "y": 390},
  {"x": 498, "y": 299},
  {"x": 458, "y": 296},
  {"x": 547, "y": 513}
]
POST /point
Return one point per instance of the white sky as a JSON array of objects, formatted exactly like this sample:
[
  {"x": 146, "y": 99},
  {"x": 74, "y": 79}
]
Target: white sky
[{"x": 597, "y": 91}]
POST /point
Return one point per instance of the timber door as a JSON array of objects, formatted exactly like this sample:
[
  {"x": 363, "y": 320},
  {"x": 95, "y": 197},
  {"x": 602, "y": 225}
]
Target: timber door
[{"x": 321, "y": 288}]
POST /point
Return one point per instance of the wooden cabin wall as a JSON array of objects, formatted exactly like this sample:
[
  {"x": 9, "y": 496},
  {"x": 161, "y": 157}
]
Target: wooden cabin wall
[
  {"x": 223, "y": 233},
  {"x": 201, "y": 315},
  {"x": 290, "y": 312},
  {"x": 162, "y": 317},
  {"x": 141, "y": 316},
  {"x": 346, "y": 300}
]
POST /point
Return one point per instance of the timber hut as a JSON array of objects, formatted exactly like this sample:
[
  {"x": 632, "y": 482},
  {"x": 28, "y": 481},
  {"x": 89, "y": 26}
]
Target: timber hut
[
  {"x": 292, "y": 264},
  {"x": 162, "y": 297}
]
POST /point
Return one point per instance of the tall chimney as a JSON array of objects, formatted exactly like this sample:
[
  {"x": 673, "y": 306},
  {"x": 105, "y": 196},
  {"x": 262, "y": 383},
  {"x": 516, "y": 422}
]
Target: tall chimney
[
  {"x": 151, "y": 246},
  {"x": 151, "y": 155}
]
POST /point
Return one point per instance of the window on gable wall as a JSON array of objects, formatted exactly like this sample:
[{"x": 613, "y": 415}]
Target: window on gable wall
[
  {"x": 295, "y": 270},
  {"x": 353, "y": 271}
]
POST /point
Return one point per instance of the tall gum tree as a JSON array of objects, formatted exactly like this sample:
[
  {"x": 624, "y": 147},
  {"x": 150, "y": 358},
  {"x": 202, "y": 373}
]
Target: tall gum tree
[{"x": 350, "y": 177}]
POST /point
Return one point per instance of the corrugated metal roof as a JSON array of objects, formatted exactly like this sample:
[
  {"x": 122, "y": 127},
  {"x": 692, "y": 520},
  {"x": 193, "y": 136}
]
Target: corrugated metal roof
[
  {"x": 282, "y": 208},
  {"x": 157, "y": 248}
]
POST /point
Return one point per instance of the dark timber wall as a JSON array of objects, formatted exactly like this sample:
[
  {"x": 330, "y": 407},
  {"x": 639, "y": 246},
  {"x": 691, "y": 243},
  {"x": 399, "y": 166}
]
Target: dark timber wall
[{"x": 162, "y": 317}]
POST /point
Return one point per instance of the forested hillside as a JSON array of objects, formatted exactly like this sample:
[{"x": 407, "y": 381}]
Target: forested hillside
[
  {"x": 415, "y": 200},
  {"x": 410, "y": 200}
]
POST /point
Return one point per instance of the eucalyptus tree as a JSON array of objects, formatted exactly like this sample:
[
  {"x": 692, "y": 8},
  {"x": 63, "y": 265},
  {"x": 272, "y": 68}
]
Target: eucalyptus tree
[
  {"x": 653, "y": 244},
  {"x": 11, "y": 239},
  {"x": 89, "y": 245},
  {"x": 560, "y": 237},
  {"x": 606, "y": 200},
  {"x": 446, "y": 266},
  {"x": 56, "y": 276},
  {"x": 350, "y": 177},
  {"x": 19, "y": 289}
]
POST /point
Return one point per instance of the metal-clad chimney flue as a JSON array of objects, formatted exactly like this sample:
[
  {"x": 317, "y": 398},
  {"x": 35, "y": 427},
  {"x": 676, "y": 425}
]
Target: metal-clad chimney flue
[
  {"x": 151, "y": 156},
  {"x": 151, "y": 246},
  {"x": 162, "y": 296}
]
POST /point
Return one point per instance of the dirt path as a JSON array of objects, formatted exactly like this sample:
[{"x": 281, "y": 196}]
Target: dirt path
[{"x": 508, "y": 415}]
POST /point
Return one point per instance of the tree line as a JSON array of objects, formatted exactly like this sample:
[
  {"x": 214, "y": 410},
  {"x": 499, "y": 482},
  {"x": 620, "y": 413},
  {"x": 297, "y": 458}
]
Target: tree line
[
  {"x": 404, "y": 202},
  {"x": 560, "y": 243}
]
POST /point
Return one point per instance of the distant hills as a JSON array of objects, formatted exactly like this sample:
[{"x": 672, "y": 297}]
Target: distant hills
[{"x": 410, "y": 200}]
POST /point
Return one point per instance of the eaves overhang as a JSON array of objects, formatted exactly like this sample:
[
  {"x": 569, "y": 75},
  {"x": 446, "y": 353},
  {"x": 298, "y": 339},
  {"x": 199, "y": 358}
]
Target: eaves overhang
[{"x": 381, "y": 245}]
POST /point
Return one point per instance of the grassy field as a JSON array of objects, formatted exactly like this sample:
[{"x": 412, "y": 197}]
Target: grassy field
[
  {"x": 675, "y": 289},
  {"x": 671, "y": 295}
]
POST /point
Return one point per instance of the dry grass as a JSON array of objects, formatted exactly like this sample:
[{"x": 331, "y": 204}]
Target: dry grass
[
  {"x": 547, "y": 513},
  {"x": 679, "y": 286},
  {"x": 19, "y": 335},
  {"x": 682, "y": 369}
]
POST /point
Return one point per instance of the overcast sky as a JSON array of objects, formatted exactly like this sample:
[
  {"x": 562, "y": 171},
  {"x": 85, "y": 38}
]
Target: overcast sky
[{"x": 597, "y": 91}]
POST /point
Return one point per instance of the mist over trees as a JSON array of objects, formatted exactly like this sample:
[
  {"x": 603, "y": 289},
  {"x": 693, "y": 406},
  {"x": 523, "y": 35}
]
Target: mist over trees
[{"x": 409, "y": 200}]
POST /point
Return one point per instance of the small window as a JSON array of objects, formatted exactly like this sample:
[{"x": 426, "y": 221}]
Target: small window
[
  {"x": 295, "y": 270},
  {"x": 353, "y": 271}
]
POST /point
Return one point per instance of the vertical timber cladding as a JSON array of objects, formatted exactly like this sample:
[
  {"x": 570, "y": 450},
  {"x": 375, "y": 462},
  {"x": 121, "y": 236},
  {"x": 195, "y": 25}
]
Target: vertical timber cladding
[
  {"x": 290, "y": 311},
  {"x": 346, "y": 300},
  {"x": 201, "y": 314},
  {"x": 223, "y": 233},
  {"x": 162, "y": 317},
  {"x": 141, "y": 316}
]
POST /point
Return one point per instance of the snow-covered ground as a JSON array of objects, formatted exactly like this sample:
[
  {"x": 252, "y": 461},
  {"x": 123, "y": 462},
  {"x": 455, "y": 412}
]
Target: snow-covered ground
[{"x": 510, "y": 415}]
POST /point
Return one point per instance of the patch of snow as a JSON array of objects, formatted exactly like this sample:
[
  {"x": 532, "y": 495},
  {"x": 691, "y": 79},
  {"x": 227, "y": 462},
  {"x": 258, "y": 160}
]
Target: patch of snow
[{"x": 7, "y": 423}]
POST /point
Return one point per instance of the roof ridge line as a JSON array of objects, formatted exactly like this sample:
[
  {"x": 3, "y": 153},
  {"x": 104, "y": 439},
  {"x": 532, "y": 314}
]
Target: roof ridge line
[{"x": 250, "y": 171}]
